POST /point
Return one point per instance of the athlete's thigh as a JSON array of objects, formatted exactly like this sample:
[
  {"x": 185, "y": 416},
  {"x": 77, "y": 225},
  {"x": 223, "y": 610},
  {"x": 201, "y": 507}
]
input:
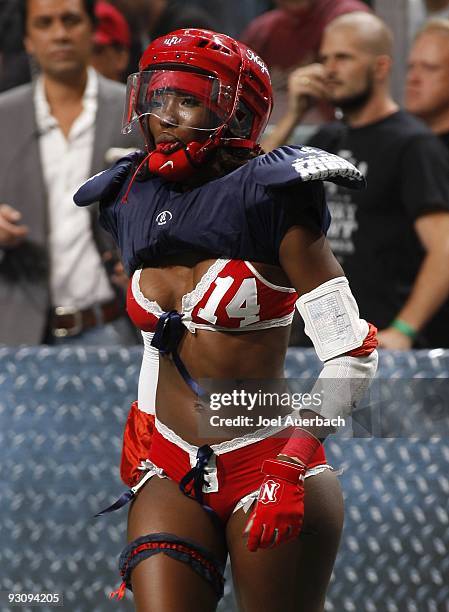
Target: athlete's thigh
[
  {"x": 293, "y": 576},
  {"x": 161, "y": 583}
]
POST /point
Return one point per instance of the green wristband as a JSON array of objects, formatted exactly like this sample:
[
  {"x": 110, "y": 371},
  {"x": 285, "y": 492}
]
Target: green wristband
[{"x": 404, "y": 328}]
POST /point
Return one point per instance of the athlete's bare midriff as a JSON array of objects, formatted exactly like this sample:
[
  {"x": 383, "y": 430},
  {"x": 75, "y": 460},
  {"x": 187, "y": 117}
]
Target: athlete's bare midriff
[{"x": 209, "y": 355}]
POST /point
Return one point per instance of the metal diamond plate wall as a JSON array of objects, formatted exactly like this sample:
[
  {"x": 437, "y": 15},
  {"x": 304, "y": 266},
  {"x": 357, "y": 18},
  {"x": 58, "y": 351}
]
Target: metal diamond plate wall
[{"x": 61, "y": 417}]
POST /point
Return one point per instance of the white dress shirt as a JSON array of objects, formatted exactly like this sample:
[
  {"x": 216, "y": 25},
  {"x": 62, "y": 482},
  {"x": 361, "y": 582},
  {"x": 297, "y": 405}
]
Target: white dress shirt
[{"x": 77, "y": 276}]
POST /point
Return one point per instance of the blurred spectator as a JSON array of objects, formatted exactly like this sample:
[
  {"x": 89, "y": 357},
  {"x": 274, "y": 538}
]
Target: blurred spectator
[
  {"x": 112, "y": 41},
  {"x": 149, "y": 19},
  {"x": 136, "y": 14},
  {"x": 289, "y": 36},
  {"x": 234, "y": 15},
  {"x": 427, "y": 87},
  {"x": 393, "y": 237},
  {"x": 54, "y": 284},
  {"x": 169, "y": 15},
  {"x": 14, "y": 64}
]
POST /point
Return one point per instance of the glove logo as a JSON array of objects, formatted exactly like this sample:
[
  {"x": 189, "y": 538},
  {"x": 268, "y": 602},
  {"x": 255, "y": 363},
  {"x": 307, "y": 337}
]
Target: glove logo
[{"x": 268, "y": 492}]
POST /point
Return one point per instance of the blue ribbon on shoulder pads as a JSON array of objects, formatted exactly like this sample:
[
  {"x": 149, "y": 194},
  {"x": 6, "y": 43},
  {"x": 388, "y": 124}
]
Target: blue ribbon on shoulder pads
[
  {"x": 107, "y": 184},
  {"x": 292, "y": 164}
]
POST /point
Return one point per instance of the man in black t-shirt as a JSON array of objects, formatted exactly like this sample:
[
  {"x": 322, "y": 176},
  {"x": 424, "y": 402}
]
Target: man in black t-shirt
[{"x": 392, "y": 238}]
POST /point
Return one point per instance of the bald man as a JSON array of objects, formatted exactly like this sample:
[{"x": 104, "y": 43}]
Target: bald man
[
  {"x": 427, "y": 86},
  {"x": 392, "y": 238}
]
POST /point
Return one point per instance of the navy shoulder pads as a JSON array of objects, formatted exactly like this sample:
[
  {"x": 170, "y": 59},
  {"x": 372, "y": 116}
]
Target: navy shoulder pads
[
  {"x": 107, "y": 184},
  {"x": 287, "y": 165}
]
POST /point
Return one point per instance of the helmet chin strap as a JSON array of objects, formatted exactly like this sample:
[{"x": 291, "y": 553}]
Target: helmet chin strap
[{"x": 176, "y": 164}]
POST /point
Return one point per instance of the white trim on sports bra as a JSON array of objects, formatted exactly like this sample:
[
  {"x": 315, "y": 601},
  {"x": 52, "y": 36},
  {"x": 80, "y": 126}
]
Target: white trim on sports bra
[{"x": 150, "y": 306}]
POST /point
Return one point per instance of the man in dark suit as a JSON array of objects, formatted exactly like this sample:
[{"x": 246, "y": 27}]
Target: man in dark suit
[{"x": 55, "y": 263}]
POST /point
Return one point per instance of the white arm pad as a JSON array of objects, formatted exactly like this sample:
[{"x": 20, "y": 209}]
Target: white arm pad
[
  {"x": 342, "y": 383},
  {"x": 331, "y": 318},
  {"x": 149, "y": 374}
]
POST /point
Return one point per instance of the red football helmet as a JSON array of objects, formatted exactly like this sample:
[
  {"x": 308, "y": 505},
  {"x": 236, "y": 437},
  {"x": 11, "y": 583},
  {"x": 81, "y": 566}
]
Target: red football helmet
[{"x": 229, "y": 80}]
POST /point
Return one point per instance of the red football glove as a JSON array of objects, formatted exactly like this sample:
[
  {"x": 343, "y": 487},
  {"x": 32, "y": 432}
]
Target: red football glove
[{"x": 279, "y": 510}]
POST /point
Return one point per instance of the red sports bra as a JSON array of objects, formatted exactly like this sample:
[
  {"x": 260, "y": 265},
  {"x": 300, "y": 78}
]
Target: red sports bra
[{"x": 230, "y": 296}]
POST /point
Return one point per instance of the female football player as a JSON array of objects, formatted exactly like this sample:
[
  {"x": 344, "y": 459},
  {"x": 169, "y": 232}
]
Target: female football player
[{"x": 221, "y": 242}]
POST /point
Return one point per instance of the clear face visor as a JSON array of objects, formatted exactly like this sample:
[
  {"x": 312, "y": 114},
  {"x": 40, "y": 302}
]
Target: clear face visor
[{"x": 179, "y": 98}]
